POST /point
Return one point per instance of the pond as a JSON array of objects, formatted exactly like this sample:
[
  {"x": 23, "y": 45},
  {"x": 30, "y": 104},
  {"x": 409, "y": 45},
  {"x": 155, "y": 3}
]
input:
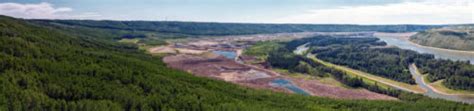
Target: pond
[
  {"x": 288, "y": 85},
  {"x": 226, "y": 54}
]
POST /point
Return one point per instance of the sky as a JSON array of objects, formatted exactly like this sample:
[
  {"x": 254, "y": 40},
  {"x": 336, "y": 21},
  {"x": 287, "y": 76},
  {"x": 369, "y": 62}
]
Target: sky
[{"x": 250, "y": 11}]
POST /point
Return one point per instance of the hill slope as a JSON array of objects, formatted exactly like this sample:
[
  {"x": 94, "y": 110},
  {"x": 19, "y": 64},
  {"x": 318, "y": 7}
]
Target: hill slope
[
  {"x": 43, "y": 68},
  {"x": 209, "y": 28},
  {"x": 457, "y": 38}
]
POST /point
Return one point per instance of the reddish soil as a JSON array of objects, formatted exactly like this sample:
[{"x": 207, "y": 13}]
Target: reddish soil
[
  {"x": 202, "y": 66},
  {"x": 319, "y": 89},
  {"x": 220, "y": 68}
]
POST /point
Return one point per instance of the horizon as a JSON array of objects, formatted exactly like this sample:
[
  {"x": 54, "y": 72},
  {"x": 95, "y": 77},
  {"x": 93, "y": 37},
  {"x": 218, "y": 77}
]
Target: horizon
[{"x": 313, "y": 12}]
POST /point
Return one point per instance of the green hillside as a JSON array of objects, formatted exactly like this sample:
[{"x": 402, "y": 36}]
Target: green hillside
[
  {"x": 458, "y": 38},
  {"x": 48, "y": 68}
]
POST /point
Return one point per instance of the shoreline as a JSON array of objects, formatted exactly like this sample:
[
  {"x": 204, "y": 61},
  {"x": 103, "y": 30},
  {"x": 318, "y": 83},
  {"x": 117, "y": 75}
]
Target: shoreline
[{"x": 407, "y": 38}]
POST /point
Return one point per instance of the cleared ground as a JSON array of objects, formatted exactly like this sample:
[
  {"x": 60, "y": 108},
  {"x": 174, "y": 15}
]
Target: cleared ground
[
  {"x": 221, "y": 68},
  {"x": 195, "y": 56}
]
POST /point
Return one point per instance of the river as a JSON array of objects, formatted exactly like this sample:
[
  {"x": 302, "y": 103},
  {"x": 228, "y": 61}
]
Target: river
[{"x": 401, "y": 40}]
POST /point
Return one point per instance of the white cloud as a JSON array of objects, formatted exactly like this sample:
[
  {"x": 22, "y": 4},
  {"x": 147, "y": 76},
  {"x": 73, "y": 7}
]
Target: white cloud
[
  {"x": 41, "y": 11},
  {"x": 420, "y": 12}
]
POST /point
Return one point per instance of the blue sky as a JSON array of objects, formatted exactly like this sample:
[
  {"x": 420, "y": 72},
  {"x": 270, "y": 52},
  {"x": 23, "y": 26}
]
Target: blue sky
[{"x": 251, "y": 11}]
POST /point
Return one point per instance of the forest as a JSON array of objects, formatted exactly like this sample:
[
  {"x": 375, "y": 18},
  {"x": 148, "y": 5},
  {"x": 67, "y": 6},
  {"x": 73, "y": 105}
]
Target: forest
[
  {"x": 358, "y": 54},
  {"x": 192, "y": 29},
  {"x": 371, "y": 55},
  {"x": 456, "y": 74},
  {"x": 51, "y": 68},
  {"x": 450, "y": 37},
  {"x": 284, "y": 58}
]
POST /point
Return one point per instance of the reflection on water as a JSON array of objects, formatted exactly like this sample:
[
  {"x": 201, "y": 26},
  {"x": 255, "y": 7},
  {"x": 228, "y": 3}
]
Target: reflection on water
[
  {"x": 226, "y": 54},
  {"x": 430, "y": 93},
  {"x": 288, "y": 85},
  {"x": 438, "y": 53}
]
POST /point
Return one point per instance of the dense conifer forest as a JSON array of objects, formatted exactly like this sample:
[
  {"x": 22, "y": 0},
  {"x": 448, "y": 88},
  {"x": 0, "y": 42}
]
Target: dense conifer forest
[
  {"x": 371, "y": 55},
  {"x": 209, "y": 28}
]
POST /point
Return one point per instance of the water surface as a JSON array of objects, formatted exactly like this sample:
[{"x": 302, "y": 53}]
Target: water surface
[
  {"x": 288, "y": 85},
  {"x": 226, "y": 54},
  {"x": 438, "y": 53}
]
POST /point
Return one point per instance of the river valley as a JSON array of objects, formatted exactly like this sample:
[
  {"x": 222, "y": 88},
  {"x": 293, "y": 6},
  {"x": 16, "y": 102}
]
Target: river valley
[{"x": 401, "y": 40}]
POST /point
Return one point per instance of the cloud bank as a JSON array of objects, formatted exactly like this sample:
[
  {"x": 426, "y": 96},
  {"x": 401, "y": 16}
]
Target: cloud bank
[
  {"x": 41, "y": 11},
  {"x": 421, "y": 12}
]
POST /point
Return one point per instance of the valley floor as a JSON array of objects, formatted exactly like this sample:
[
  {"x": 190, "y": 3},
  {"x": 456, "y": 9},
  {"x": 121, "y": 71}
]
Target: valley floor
[{"x": 198, "y": 58}]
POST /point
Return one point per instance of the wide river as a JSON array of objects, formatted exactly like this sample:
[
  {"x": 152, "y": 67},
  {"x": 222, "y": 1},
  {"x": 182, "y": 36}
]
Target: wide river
[{"x": 401, "y": 40}]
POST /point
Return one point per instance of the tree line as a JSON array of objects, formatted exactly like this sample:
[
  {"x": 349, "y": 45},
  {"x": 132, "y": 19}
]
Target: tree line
[
  {"x": 286, "y": 59},
  {"x": 371, "y": 55}
]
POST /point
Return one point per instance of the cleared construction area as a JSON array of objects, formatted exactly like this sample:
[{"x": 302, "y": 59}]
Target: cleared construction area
[{"x": 199, "y": 57}]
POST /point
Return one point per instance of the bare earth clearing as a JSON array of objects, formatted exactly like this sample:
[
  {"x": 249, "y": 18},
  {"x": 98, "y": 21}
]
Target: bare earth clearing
[
  {"x": 196, "y": 56},
  {"x": 225, "y": 69}
]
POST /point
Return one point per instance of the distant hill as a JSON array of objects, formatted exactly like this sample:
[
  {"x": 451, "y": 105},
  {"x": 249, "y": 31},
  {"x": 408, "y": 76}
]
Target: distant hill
[
  {"x": 210, "y": 28},
  {"x": 452, "y": 37}
]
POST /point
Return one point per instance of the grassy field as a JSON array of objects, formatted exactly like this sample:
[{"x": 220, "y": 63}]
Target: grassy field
[
  {"x": 438, "y": 85},
  {"x": 325, "y": 80},
  {"x": 332, "y": 81},
  {"x": 261, "y": 49},
  {"x": 131, "y": 41},
  {"x": 372, "y": 79}
]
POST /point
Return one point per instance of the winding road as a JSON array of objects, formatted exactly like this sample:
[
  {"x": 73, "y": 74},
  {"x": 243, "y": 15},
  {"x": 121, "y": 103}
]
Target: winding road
[
  {"x": 303, "y": 48},
  {"x": 432, "y": 92},
  {"x": 422, "y": 87}
]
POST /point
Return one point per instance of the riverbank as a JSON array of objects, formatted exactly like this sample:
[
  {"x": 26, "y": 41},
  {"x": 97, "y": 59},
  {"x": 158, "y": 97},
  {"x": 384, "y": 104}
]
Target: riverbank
[
  {"x": 406, "y": 37},
  {"x": 401, "y": 40}
]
